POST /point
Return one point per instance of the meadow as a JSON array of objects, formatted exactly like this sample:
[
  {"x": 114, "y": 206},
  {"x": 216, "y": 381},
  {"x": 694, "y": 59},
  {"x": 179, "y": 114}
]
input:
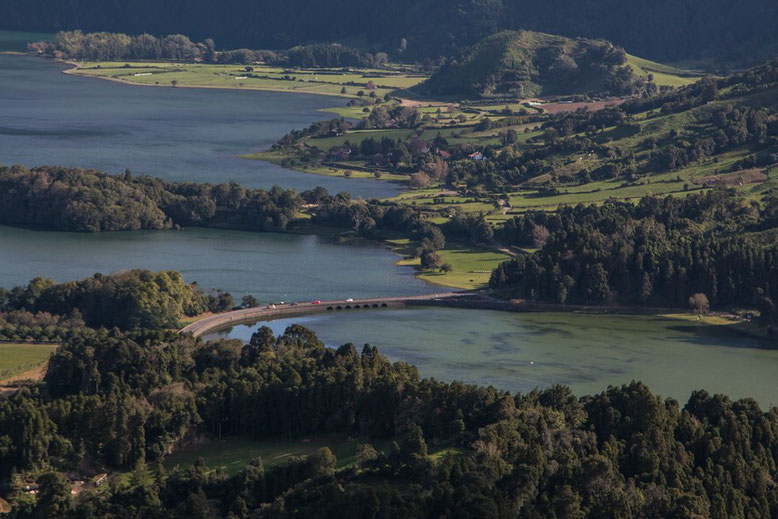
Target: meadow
[
  {"x": 664, "y": 75},
  {"x": 471, "y": 266},
  {"x": 19, "y": 358},
  {"x": 330, "y": 82}
]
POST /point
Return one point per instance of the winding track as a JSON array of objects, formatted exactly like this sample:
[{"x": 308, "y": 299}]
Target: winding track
[{"x": 249, "y": 315}]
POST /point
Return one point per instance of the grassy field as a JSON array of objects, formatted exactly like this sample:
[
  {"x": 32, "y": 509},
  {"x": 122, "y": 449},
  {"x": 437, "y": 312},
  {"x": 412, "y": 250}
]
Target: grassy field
[
  {"x": 452, "y": 135},
  {"x": 471, "y": 266},
  {"x": 235, "y": 453},
  {"x": 232, "y": 454},
  {"x": 277, "y": 157},
  {"x": 320, "y": 81},
  {"x": 664, "y": 75},
  {"x": 18, "y": 358},
  {"x": 748, "y": 327}
]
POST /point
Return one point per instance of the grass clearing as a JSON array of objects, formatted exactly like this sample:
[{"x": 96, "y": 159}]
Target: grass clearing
[
  {"x": 232, "y": 454},
  {"x": 281, "y": 158},
  {"x": 743, "y": 326},
  {"x": 19, "y": 358},
  {"x": 454, "y": 136},
  {"x": 664, "y": 75},
  {"x": 471, "y": 267}
]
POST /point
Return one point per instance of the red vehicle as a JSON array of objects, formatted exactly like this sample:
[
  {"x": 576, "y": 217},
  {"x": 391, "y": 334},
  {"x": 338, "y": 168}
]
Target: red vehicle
[{"x": 317, "y": 302}]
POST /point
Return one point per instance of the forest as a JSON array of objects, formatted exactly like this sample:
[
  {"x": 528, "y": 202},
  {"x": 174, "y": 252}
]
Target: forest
[
  {"x": 104, "y": 46},
  {"x": 121, "y": 399},
  {"x": 740, "y": 33},
  {"x": 74, "y": 199},
  {"x": 657, "y": 252},
  {"x": 132, "y": 299}
]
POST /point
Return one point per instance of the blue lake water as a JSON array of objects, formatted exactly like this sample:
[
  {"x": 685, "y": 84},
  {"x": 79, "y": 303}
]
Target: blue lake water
[{"x": 187, "y": 134}]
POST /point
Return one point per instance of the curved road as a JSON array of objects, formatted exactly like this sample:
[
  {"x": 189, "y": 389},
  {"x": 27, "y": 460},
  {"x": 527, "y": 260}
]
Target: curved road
[{"x": 249, "y": 315}]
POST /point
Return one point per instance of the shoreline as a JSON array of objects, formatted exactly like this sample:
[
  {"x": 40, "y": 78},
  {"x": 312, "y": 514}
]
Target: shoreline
[
  {"x": 465, "y": 299},
  {"x": 277, "y": 159},
  {"x": 75, "y": 67}
]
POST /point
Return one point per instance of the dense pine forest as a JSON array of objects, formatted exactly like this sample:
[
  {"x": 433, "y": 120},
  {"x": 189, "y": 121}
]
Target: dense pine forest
[
  {"x": 669, "y": 31},
  {"x": 657, "y": 252}
]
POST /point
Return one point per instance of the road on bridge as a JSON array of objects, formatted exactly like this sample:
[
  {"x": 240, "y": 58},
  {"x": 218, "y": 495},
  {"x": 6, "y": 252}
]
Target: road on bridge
[{"x": 248, "y": 315}]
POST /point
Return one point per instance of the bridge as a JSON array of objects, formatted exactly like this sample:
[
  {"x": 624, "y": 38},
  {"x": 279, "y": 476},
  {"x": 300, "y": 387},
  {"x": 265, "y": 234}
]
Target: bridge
[{"x": 221, "y": 321}]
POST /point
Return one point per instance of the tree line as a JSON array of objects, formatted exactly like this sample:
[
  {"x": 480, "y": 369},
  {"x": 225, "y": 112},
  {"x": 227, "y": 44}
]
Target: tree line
[
  {"x": 656, "y": 252},
  {"x": 106, "y": 46},
  {"x": 74, "y": 199},
  {"x": 133, "y": 299}
]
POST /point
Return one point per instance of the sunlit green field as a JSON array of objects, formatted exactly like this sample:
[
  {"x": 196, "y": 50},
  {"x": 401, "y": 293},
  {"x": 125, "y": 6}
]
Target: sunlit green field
[
  {"x": 323, "y": 82},
  {"x": 452, "y": 135},
  {"x": 18, "y": 358},
  {"x": 471, "y": 266},
  {"x": 664, "y": 75}
]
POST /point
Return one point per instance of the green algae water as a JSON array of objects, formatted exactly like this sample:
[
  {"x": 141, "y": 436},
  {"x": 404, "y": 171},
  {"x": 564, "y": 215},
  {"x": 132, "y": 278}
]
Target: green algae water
[{"x": 522, "y": 351}]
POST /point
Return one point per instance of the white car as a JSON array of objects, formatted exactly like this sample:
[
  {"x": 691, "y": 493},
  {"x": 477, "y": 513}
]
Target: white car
[{"x": 349, "y": 300}]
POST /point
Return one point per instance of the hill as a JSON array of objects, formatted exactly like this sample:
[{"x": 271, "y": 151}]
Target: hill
[{"x": 526, "y": 63}]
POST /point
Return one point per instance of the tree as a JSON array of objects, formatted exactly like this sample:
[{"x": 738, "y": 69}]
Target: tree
[
  {"x": 174, "y": 82},
  {"x": 322, "y": 462},
  {"x": 699, "y": 303},
  {"x": 249, "y": 301},
  {"x": 54, "y": 496},
  {"x": 431, "y": 260},
  {"x": 413, "y": 448},
  {"x": 420, "y": 180},
  {"x": 540, "y": 235},
  {"x": 446, "y": 267},
  {"x": 437, "y": 168},
  {"x": 366, "y": 453},
  {"x": 646, "y": 288},
  {"x": 596, "y": 283}
]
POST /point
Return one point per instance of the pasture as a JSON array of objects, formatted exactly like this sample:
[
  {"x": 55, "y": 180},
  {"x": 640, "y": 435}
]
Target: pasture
[
  {"x": 319, "y": 81},
  {"x": 471, "y": 266},
  {"x": 664, "y": 75},
  {"x": 18, "y": 358}
]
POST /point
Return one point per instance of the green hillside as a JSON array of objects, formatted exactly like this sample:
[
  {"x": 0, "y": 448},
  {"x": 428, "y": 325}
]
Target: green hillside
[
  {"x": 663, "y": 75},
  {"x": 526, "y": 63}
]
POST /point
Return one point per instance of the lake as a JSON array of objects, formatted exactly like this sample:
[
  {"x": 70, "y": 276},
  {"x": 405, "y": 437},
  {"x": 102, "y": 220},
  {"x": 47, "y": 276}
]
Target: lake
[
  {"x": 521, "y": 351},
  {"x": 270, "y": 266},
  {"x": 184, "y": 134}
]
